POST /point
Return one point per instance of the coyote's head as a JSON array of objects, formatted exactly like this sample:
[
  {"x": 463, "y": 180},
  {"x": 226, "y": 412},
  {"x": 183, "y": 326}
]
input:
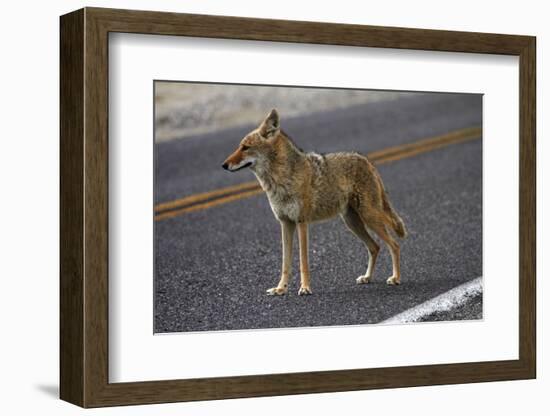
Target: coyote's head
[{"x": 256, "y": 145}]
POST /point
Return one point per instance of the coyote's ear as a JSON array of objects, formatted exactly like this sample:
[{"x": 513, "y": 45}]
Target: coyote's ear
[{"x": 271, "y": 125}]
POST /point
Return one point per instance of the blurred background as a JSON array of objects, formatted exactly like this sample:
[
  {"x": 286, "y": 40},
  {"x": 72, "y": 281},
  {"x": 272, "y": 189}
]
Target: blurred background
[{"x": 187, "y": 109}]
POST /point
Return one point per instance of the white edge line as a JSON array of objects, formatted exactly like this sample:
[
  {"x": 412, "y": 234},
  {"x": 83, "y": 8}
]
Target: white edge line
[{"x": 453, "y": 298}]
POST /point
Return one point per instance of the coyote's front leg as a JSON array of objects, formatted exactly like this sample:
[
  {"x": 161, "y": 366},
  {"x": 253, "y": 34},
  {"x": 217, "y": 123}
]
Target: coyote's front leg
[
  {"x": 287, "y": 235},
  {"x": 305, "y": 288}
]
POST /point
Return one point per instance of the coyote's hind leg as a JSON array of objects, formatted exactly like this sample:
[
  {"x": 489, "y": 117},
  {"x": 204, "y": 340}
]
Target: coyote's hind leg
[
  {"x": 356, "y": 226},
  {"x": 380, "y": 229}
]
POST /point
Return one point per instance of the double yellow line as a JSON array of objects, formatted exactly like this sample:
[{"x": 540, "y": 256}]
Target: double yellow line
[{"x": 228, "y": 194}]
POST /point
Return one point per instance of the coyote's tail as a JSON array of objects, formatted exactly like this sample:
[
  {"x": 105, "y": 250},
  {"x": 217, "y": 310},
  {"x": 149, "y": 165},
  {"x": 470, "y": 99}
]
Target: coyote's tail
[{"x": 397, "y": 223}]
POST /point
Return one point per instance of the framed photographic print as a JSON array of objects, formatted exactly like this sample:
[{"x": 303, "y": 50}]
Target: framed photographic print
[{"x": 255, "y": 207}]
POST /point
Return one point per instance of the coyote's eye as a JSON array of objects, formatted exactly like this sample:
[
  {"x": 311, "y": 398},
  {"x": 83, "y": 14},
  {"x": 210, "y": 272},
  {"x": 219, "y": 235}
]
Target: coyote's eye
[{"x": 243, "y": 147}]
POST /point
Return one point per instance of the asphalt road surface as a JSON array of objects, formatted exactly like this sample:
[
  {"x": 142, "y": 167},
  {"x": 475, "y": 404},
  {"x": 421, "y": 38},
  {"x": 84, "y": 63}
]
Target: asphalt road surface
[{"x": 213, "y": 266}]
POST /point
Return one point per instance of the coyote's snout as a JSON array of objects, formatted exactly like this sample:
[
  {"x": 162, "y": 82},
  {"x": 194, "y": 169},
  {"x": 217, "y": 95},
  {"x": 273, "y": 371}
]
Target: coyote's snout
[{"x": 307, "y": 187}]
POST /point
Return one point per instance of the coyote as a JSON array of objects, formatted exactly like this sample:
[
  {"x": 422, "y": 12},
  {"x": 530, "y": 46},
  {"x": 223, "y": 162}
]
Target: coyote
[{"x": 308, "y": 187}]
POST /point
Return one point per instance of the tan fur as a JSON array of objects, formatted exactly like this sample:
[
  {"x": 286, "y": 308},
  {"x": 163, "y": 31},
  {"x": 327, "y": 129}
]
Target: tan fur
[{"x": 308, "y": 187}]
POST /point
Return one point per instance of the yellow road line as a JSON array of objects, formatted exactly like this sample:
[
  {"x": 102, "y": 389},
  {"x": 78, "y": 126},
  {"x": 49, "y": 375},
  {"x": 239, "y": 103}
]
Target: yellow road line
[
  {"x": 209, "y": 204},
  {"x": 191, "y": 199},
  {"x": 220, "y": 196},
  {"x": 423, "y": 146}
]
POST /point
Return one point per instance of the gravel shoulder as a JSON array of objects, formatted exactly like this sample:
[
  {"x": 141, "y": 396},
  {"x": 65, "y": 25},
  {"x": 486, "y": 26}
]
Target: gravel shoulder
[
  {"x": 186, "y": 109},
  {"x": 470, "y": 310}
]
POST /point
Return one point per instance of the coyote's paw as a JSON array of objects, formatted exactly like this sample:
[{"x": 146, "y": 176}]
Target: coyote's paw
[
  {"x": 393, "y": 281},
  {"x": 361, "y": 280},
  {"x": 276, "y": 291},
  {"x": 304, "y": 290}
]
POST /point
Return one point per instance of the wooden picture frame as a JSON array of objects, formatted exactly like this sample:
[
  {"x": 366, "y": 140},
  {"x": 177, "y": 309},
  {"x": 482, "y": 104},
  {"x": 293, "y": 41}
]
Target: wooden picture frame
[{"x": 84, "y": 207}]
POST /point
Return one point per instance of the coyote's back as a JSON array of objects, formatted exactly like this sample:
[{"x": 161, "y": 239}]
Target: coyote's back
[{"x": 348, "y": 179}]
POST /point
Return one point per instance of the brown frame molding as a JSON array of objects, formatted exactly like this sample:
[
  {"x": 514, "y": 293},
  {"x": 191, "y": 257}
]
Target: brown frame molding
[{"x": 84, "y": 207}]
